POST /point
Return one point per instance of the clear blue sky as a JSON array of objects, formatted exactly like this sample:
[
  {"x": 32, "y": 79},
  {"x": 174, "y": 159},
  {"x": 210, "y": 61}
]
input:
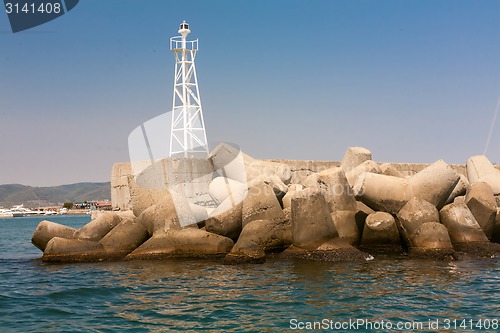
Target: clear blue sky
[{"x": 413, "y": 81}]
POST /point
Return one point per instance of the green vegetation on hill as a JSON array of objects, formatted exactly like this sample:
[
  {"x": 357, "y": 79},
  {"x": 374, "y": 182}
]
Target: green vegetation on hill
[{"x": 15, "y": 194}]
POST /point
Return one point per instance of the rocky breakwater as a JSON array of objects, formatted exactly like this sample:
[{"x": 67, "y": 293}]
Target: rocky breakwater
[{"x": 251, "y": 209}]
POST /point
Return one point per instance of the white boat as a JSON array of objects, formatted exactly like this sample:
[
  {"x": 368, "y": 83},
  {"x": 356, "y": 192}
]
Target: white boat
[
  {"x": 50, "y": 212},
  {"x": 20, "y": 211},
  {"x": 5, "y": 213}
]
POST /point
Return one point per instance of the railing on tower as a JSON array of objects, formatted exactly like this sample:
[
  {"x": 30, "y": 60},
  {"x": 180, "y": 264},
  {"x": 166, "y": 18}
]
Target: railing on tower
[{"x": 176, "y": 44}]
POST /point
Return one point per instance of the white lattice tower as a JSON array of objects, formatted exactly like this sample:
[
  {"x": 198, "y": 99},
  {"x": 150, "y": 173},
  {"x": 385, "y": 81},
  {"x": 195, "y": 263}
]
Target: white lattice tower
[{"x": 188, "y": 136}]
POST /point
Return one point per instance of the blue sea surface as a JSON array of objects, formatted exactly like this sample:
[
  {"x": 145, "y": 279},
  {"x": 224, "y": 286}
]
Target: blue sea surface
[{"x": 201, "y": 295}]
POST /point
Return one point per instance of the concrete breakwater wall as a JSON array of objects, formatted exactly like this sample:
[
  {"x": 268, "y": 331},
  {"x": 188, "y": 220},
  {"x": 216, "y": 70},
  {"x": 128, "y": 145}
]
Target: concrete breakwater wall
[
  {"x": 299, "y": 170},
  {"x": 242, "y": 209}
]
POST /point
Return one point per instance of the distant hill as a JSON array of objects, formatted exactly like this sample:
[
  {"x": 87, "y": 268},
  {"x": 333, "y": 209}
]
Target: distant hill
[{"x": 33, "y": 197}]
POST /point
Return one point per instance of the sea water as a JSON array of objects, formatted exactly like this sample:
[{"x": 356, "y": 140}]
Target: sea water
[{"x": 381, "y": 295}]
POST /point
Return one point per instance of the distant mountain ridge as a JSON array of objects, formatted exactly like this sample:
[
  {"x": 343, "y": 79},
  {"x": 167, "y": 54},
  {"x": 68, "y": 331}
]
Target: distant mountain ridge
[{"x": 33, "y": 197}]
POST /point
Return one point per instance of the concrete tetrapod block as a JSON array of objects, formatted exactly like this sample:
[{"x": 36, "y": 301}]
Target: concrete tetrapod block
[
  {"x": 257, "y": 237},
  {"x": 267, "y": 168},
  {"x": 431, "y": 240},
  {"x": 383, "y": 193},
  {"x": 388, "y": 170},
  {"x": 226, "y": 219},
  {"x": 460, "y": 189},
  {"x": 367, "y": 166},
  {"x": 268, "y": 234},
  {"x": 279, "y": 188},
  {"x": 246, "y": 252},
  {"x": 380, "y": 233},
  {"x": 47, "y": 230},
  {"x": 73, "y": 250},
  {"x": 435, "y": 183},
  {"x": 312, "y": 223},
  {"x": 125, "y": 238},
  {"x": 311, "y": 181},
  {"x": 482, "y": 204},
  {"x": 261, "y": 204},
  {"x": 336, "y": 189},
  {"x": 461, "y": 224},
  {"x": 345, "y": 223},
  {"x": 96, "y": 229},
  {"x": 230, "y": 162},
  {"x": 159, "y": 219},
  {"x": 220, "y": 188},
  {"x": 480, "y": 169},
  {"x": 413, "y": 215},
  {"x": 287, "y": 199},
  {"x": 354, "y": 156},
  {"x": 188, "y": 242}
]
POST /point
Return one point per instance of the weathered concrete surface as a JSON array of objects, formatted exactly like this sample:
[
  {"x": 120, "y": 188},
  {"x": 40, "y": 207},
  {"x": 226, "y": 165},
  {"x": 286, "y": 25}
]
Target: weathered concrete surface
[
  {"x": 432, "y": 240},
  {"x": 345, "y": 223},
  {"x": 380, "y": 233},
  {"x": 125, "y": 238},
  {"x": 261, "y": 204},
  {"x": 142, "y": 198},
  {"x": 257, "y": 238},
  {"x": 73, "y": 250},
  {"x": 120, "y": 193},
  {"x": 188, "y": 242},
  {"x": 259, "y": 168},
  {"x": 480, "y": 169},
  {"x": 461, "y": 224},
  {"x": 435, "y": 183},
  {"x": 226, "y": 220},
  {"x": 159, "y": 219},
  {"x": 460, "y": 189},
  {"x": 389, "y": 170},
  {"x": 96, "y": 229},
  {"x": 299, "y": 170},
  {"x": 279, "y": 188},
  {"x": 368, "y": 166},
  {"x": 389, "y": 194},
  {"x": 312, "y": 223},
  {"x": 383, "y": 193},
  {"x": 353, "y": 157},
  {"x": 335, "y": 250},
  {"x": 230, "y": 162},
  {"x": 336, "y": 189},
  {"x": 413, "y": 215},
  {"x": 247, "y": 251},
  {"x": 220, "y": 188},
  {"x": 269, "y": 235},
  {"x": 432, "y": 235},
  {"x": 199, "y": 213},
  {"x": 482, "y": 204},
  {"x": 47, "y": 230}
]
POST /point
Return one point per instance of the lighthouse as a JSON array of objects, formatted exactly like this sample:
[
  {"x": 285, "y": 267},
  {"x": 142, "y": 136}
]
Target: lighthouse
[{"x": 187, "y": 136}]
